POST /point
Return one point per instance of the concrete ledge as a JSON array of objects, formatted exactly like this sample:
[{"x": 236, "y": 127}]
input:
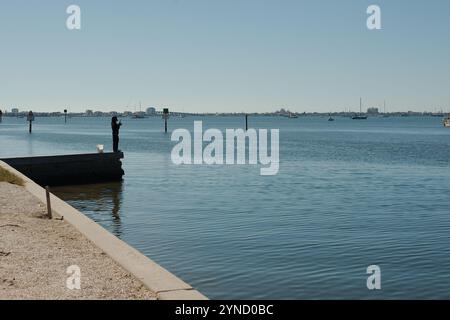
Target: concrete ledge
[
  {"x": 179, "y": 295},
  {"x": 157, "y": 279}
]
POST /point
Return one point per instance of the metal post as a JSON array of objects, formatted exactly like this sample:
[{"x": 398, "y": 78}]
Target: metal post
[
  {"x": 246, "y": 122},
  {"x": 49, "y": 206}
]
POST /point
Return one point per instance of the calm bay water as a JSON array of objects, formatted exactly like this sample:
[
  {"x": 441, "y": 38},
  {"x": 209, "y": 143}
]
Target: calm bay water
[{"x": 349, "y": 194}]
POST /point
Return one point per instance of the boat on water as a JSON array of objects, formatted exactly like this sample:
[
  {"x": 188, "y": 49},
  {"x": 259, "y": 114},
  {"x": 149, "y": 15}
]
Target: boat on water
[
  {"x": 385, "y": 115},
  {"x": 359, "y": 116},
  {"x": 447, "y": 121},
  {"x": 138, "y": 115},
  {"x": 293, "y": 115},
  {"x": 330, "y": 118}
]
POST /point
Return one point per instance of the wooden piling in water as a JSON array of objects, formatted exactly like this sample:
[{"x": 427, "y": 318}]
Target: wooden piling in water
[
  {"x": 30, "y": 119},
  {"x": 165, "y": 116}
]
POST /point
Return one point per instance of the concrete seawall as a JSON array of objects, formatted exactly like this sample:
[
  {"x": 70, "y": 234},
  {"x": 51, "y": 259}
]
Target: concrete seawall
[
  {"x": 70, "y": 169},
  {"x": 160, "y": 281}
]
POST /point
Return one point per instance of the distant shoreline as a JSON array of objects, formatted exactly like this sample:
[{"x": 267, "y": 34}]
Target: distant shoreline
[{"x": 100, "y": 114}]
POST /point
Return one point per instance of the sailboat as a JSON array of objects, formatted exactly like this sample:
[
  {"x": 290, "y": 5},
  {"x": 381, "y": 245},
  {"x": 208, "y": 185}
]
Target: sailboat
[
  {"x": 140, "y": 114},
  {"x": 330, "y": 118},
  {"x": 385, "y": 115},
  {"x": 360, "y": 116},
  {"x": 447, "y": 121}
]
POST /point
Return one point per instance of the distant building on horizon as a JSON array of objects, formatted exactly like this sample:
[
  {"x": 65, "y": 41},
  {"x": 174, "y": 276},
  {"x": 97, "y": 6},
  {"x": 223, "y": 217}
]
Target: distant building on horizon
[
  {"x": 372, "y": 111},
  {"x": 151, "y": 111}
]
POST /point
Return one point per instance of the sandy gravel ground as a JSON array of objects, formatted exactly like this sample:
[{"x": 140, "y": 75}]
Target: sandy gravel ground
[{"x": 35, "y": 254}]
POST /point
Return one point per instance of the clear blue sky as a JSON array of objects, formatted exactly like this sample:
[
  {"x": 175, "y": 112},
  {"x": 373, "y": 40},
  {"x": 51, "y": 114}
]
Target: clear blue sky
[{"x": 228, "y": 55}]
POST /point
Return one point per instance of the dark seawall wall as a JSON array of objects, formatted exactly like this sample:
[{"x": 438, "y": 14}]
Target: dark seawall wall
[{"x": 70, "y": 169}]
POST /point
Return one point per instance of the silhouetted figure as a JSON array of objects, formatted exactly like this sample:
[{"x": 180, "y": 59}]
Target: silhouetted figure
[{"x": 115, "y": 126}]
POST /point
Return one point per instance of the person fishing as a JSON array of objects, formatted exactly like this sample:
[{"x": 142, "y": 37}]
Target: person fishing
[{"x": 115, "y": 125}]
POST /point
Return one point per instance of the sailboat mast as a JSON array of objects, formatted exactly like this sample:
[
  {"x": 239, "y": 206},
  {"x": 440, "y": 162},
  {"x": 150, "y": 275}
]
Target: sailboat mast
[{"x": 360, "y": 105}]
